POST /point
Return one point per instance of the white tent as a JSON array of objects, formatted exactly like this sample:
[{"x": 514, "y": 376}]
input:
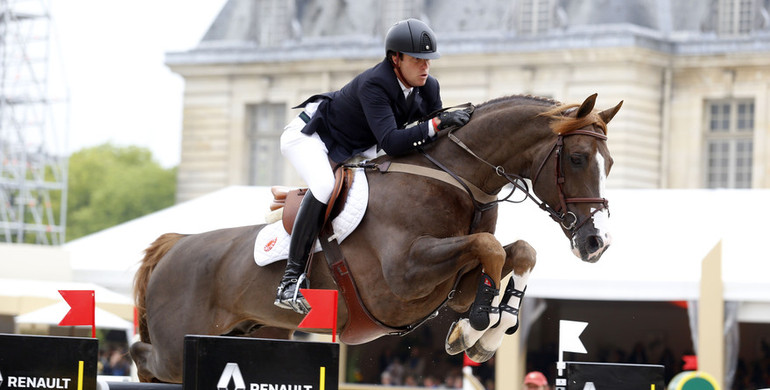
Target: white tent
[
  {"x": 53, "y": 314},
  {"x": 111, "y": 256},
  {"x": 659, "y": 240},
  {"x": 25, "y": 295}
]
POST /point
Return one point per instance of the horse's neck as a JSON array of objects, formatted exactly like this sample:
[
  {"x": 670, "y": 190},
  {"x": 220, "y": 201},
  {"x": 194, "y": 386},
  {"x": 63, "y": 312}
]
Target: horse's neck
[{"x": 514, "y": 153}]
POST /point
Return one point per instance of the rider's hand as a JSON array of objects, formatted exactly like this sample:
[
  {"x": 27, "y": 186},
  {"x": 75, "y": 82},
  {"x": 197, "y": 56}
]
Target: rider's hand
[{"x": 453, "y": 118}]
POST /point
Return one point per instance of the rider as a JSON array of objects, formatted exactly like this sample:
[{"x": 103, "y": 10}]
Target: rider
[{"x": 373, "y": 111}]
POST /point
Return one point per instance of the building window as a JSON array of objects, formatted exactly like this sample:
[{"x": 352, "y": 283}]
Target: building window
[
  {"x": 265, "y": 124},
  {"x": 736, "y": 17},
  {"x": 729, "y": 143},
  {"x": 535, "y": 17}
]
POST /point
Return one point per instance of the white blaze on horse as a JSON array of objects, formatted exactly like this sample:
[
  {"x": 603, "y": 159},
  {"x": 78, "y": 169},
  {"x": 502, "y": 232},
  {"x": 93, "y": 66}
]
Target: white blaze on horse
[{"x": 426, "y": 240}]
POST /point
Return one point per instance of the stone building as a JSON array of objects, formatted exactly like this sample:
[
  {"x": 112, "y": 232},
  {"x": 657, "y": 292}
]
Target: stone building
[{"x": 694, "y": 75}]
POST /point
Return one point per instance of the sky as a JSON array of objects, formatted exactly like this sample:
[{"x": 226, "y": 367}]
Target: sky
[{"x": 112, "y": 60}]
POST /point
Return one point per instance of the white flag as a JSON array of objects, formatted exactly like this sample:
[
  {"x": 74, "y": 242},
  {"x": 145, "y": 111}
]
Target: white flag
[{"x": 569, "y": 336}]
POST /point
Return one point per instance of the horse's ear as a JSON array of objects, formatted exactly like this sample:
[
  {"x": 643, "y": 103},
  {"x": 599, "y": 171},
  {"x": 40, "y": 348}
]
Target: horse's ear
[
  {"x": 609, "y": 113},
  {"x": 587, "y": 106}
]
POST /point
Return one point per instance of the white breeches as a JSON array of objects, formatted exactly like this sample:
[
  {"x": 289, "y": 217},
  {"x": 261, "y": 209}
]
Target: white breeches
[{"x": 309, "y": 156}]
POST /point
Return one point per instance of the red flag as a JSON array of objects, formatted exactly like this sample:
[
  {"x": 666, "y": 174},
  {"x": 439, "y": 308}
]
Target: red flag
[
  {"x": 323, "y": 310},
  {"x": 468, "y": 362},
  {"x": 82, "y": 306},
  {"x": 690, "y": 362}
]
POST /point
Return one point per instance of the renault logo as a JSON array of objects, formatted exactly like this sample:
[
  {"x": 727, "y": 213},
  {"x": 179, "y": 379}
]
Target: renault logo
[{"x": 231, "y": 371}]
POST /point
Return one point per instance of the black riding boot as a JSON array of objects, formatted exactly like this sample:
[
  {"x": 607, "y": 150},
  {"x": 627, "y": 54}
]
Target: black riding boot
[{"x": 310, "y": 217}]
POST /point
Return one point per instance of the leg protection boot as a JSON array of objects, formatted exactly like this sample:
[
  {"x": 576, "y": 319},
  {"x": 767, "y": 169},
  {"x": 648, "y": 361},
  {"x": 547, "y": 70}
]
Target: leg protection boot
[
  {"x": 482, "y": 305},
  {"x": 510, "y": 293},
  {"x": 310, "y": 218}
]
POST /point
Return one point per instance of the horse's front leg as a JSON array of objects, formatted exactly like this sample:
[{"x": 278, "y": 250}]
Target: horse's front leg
[
  {"x": 441, "y": 259},
  {"x": 521, "y": 258}
]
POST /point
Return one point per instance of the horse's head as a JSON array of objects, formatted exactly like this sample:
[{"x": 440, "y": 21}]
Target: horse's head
[{"x": 571, "y": 173}]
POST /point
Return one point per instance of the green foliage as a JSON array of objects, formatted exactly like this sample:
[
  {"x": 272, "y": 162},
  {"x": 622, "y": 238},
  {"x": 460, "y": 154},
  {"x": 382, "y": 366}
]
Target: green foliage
[{"x": 109, "y": 185}]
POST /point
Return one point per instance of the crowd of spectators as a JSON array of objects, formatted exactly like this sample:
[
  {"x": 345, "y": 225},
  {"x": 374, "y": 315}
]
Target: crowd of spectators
[{"x": 114, "y": 361}]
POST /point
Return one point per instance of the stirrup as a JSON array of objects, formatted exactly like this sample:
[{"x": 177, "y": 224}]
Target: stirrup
[{"x": 297, "y": 302}]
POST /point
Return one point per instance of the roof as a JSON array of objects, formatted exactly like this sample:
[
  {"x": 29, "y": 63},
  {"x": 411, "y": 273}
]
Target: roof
[
  {"x": 248, "y": 31},
  {"x": 660, "y": 238}
]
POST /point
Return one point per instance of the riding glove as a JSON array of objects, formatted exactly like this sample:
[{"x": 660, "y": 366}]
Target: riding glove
[{"x": 453, "y": 119}]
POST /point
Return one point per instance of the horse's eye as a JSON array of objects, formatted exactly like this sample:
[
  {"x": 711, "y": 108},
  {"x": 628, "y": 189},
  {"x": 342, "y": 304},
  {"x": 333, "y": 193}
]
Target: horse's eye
[{"x": 577, "y": 159}]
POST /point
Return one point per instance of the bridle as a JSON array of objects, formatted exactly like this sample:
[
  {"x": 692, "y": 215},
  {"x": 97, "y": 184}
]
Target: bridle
[
  {"x": 567, "y": 219},
  {"x": 560, "y": 214}
]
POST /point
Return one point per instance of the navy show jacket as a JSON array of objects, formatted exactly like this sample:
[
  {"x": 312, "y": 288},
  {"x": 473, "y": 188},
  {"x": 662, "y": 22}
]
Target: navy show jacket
[{"x": 371, "y": 109}]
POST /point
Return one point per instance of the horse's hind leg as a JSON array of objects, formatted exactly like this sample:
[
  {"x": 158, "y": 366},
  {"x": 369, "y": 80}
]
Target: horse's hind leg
[{"x": 521, "y": 256}]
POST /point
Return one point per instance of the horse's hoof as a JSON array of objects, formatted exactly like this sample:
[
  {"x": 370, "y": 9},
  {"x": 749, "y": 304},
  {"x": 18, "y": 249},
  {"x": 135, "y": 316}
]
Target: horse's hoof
[
  {"x": 478, "y": 354},
  {"x": 455, "y": 343}
]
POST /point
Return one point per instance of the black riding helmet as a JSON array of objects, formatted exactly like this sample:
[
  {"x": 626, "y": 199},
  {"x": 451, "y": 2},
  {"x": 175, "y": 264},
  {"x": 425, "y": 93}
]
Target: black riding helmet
[{"x": 412, "y": 37}]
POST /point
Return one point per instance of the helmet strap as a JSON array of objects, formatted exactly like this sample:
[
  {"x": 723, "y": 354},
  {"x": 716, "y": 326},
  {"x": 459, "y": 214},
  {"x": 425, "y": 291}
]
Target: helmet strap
[{"x": 397, "y": 69}]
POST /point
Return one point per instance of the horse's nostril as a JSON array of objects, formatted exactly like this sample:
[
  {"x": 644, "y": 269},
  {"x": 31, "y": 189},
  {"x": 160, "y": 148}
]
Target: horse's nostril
[{"x": 594, "y": 243}]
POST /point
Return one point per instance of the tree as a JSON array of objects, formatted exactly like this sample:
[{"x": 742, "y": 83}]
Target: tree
[{"x": 109, "y": 185}]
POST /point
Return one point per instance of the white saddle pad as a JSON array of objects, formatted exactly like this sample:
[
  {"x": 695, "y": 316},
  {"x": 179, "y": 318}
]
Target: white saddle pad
[{"x": 273, "y": 242}]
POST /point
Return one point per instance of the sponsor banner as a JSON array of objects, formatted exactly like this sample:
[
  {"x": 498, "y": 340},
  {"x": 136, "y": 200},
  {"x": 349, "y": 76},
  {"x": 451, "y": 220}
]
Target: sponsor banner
[
  {"x": 236, "y": 363},
  {"x": 598, "y": 376},
  {"x": 44, "y": 362}
]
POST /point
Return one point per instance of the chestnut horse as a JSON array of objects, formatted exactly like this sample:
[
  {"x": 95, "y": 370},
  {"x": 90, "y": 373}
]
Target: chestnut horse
[{"x": 422, "y": 243}]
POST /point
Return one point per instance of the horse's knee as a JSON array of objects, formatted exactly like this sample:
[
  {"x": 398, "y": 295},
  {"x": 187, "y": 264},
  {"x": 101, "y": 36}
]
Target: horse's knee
[
  {"x": 491, "y": 254},
  {"x": 522, "y": 255},
  {"x": 486, "y": 245}
]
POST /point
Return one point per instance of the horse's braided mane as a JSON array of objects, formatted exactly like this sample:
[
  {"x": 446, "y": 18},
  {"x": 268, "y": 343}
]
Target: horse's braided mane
[
  {"x": 561, "y": 121},
  {"x": 511, "y": 98}
]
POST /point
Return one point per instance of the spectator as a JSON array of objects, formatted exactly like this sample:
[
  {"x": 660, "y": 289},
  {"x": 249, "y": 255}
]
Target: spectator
[{"x": 535, "y": 380}]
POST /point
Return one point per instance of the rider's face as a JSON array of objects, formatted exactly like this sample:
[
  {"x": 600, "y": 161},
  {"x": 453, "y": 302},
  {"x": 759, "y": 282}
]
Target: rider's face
[{"x": 412, "y": 71}]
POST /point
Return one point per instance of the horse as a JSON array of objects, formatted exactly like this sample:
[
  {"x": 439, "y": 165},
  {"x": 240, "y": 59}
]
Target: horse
[{"x": 422, "y": 243}]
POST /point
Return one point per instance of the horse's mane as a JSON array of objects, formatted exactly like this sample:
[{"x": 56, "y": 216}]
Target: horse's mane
[
  {"x": 562, "y": 122},
  {"x": 519, "y": 98},
  {"x": 559, "y": 113}
]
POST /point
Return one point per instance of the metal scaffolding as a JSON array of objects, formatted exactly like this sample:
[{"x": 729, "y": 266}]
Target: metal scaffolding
[{"x": 33, "y": 158}]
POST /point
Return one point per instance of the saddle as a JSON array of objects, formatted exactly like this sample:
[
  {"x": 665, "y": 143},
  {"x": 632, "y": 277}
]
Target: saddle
[
  {"x": 361, "y": 326},
  {"x": 289, "y": 199}
]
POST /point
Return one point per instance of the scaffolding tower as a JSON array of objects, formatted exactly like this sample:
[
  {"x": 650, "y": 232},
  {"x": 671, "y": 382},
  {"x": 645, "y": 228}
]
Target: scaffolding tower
[{"x": 33, "y": 157}]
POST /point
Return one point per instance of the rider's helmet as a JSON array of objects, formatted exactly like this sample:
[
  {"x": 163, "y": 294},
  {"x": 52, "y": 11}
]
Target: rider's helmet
[{"x": 412, "y": 37}]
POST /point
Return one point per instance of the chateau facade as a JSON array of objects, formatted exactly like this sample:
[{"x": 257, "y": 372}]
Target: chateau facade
[{"x": 694, "y": 76}]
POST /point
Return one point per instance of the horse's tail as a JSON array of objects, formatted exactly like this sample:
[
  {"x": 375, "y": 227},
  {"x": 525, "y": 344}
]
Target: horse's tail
[{"x": 152, "y": 256}]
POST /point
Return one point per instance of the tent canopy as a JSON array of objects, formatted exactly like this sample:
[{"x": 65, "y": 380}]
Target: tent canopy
[
  {"x": 53, "y": 314},
  {"x": 660, "y": 238},
  {"x": 18, "y": 296}
]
